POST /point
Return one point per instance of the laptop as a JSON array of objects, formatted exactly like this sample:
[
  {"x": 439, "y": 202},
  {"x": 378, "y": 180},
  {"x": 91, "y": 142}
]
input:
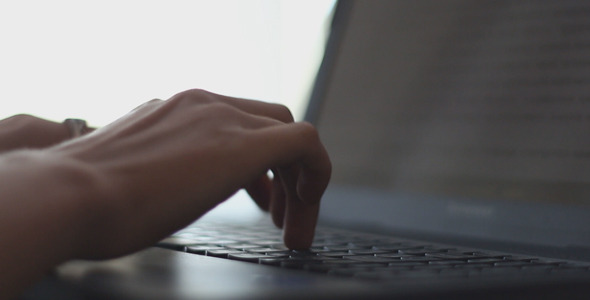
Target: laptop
[{"x": 459, "y": 133}]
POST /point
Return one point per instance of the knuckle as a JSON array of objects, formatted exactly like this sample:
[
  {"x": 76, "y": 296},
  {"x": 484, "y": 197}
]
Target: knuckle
[
  {"x": 311, "y": 137},
  {"x": 154, "y": 101},
  {"x": 196, "y": 93},
  {"x": 192, "y": 96},
  {"x": 282, "y": 113},
  {"x": 147, "y": 104},
  {"x": 22, "y": 120},
  {"x": 309, "y": 132}
]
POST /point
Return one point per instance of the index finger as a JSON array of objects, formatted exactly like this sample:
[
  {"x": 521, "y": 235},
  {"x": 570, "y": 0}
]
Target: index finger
[
  {"x": 298, "y": 143},
  {"x": 305, "y": 167}
]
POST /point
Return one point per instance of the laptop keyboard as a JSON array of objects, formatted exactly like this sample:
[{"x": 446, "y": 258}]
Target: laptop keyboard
[{"x": 360, "y": 255}]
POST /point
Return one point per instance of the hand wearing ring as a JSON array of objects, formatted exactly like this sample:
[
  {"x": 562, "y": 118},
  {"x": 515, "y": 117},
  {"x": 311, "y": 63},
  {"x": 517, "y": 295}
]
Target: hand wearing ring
[{"x": 76, "y": 127}]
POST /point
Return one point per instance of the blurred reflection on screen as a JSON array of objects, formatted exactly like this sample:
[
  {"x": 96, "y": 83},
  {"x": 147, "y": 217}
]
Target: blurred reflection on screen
[{"x": 474, "y": 98}]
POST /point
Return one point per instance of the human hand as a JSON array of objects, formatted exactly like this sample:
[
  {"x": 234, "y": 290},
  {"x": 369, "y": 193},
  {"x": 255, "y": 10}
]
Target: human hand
[
  {"x": 168, "y": 162},
  {"x": 26, "y": 131}
]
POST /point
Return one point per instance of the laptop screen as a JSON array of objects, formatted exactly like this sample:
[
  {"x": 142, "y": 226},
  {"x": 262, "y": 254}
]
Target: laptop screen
[{"x": 464, "y": 107}]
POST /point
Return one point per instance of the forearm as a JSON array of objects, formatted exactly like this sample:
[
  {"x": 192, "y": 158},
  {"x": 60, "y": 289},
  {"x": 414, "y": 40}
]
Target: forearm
[{"x": 43, "y": 214}]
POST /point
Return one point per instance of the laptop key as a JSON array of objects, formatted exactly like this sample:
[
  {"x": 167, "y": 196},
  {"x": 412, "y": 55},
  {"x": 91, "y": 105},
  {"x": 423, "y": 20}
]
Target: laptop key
[
  {"x": 176, "y": 243},
  {"x": 268, "y": 243},
  {"x": 288, "y": 262},
  {"x": 398, "y": 247},
  {"x": 447, "y": 262},
  {"x": 369, "y": 259},
  {"x": 268, "y": 250},
  {"x": 248, "y": 257},
  {"x": 368, "y": 251},
  {"x": 242, "y": 246},
  {"x": 419, "y": 258},
  {"x": 319, "y": 250},
  {"x": 223, "y": 253},
  {"x": 302, "y": 253},
  {"x": 407, "y": 264},
  {"x": 486, "y": 260},
  {"x": 272, "y": 261},
  {"x": 202, "y": 250},
  {"x": 223, "y": 242},
  {"x": 336, "y": 254},
  {"x": 278, "y": 254},
  {"x": 473, "y": 266},
  {"x": 346, "y": 247}
]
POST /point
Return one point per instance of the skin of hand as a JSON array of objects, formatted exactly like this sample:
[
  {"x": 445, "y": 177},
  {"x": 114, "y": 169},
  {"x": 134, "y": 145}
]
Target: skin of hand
[
  {"x": 129, "y": 184},
  {"x": 169, "y": 162},
  {"x": 29, "y": 132}
]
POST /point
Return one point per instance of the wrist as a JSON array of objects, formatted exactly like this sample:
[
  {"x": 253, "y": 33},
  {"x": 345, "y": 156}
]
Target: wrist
[
  {"x": 59, "y": 196},
  {"x": 47, "y": 208}
]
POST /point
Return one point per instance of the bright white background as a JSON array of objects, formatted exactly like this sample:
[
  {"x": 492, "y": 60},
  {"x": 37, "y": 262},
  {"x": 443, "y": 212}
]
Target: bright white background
[{"x": 98, "y": 60}]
